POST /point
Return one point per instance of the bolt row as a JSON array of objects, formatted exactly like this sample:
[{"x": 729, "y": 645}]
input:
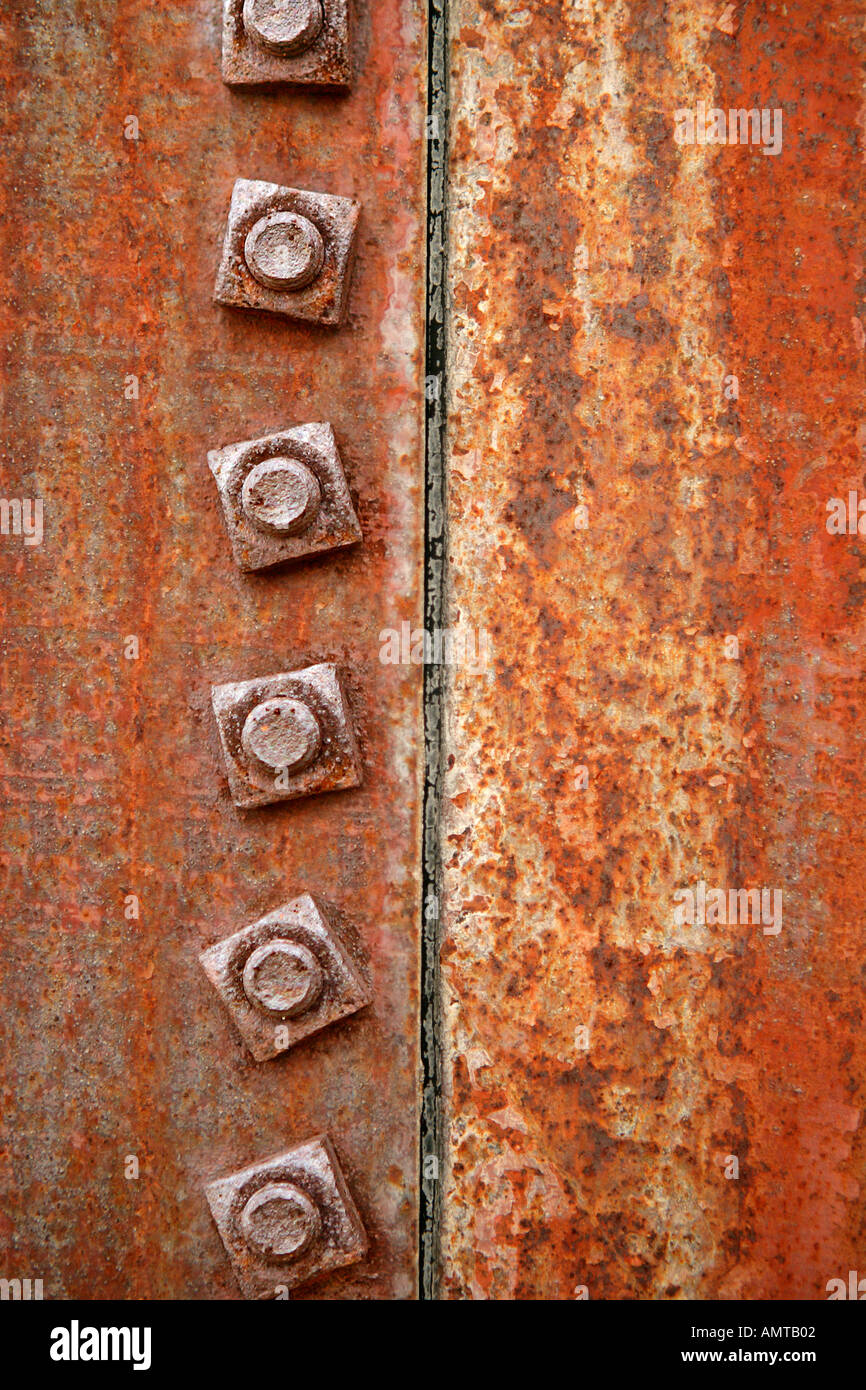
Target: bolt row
[{"x": 289, "y": 1218}]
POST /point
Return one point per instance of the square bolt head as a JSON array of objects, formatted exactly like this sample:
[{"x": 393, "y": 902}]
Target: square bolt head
[
  {"x": 284, "y": 496},
  {"x": 286, "y": 736},
  {"x": 299, "y": 41},
  {"x": 287, "y": 251},
  {"x": 288, "y": 975},
  {"x": 287, "y": 1219}
]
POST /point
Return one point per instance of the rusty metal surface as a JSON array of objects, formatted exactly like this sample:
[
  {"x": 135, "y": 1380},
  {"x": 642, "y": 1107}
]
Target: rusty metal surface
[
  {"x": 122, "y": 854},
  {"x": 616, "y": 517}
]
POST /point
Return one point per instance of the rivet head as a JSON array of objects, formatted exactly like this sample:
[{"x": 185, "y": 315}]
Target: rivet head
[
  {"x": 281, "y": 496},
  {"x": 282, "y": 733},
  {"x": 280, "y": 1221},
  {"x": 283, "y": 977},
  {"x": 283, "y": 27},
  {"x": 284, "y": 251}
]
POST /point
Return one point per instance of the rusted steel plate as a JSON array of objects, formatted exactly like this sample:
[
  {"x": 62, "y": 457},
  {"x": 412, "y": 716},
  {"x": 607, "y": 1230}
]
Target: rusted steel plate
[
  {"x": 120, "y": 375},
  {"x": 620, "y": 510}
]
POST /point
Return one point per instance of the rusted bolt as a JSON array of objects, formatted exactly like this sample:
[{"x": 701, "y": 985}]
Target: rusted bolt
[
  {"x": 288, "y": 975},
  {"x": 283, "y": 27},
  {"x": 284, "y": 251},
  {"x": 289, "y": 251},
  {"x": 281, "y": 496},
  {"x": 283, "y": 977},
  {"x": 280, "y": 1222},
  {"x": 267, "y": 41},
  {"x": 286, "y": 735},
  {"x": 282, "y": 734},
  {"x": 287, "y": 1219},
  {"x": 285, "y": 496}
]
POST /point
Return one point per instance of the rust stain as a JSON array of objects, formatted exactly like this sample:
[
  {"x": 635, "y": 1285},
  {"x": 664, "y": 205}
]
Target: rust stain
[
  {"x": 620, "y": 511},
  {"x": 120, "y": 375}
]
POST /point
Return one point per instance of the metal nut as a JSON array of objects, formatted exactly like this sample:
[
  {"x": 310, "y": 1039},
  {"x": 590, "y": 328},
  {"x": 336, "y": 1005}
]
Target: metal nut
[
  {"x": 284, "y": 496},
  {"x": 299, "y": 41},
  {"x": 286, "y": 736},
  {"x": 287, "y": 250},
  {"x": 284, "y": 27},
  {"x": 293, "y": 972},
  {"x": 287, "y": 1219}
]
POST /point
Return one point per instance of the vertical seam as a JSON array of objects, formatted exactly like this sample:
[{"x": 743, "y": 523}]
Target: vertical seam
[{"x": 430, "y": 1138}]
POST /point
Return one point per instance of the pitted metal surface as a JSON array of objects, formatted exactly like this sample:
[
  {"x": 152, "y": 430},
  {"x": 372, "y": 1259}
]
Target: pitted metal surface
[
  {"x": 648, "y": 883},
  {"x": 678, "y": 652},
  {"x": 122, "y": 851}
]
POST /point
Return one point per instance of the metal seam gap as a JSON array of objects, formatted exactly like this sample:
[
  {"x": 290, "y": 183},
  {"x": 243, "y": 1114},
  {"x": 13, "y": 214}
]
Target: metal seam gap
[{"x": 430, "y": 1139}]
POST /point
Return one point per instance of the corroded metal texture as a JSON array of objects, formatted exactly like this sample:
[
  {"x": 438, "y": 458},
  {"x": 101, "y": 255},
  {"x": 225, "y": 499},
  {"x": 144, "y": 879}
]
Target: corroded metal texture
[
  {"x": 656, "y": 373},
  {"x": 125, "y": 1085}
]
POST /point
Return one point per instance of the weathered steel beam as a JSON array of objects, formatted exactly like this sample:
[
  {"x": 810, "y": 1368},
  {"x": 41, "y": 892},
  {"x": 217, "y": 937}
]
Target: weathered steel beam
[
  {"x": 678, "y": 644},
  {"x": 123, "y": 856}
]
